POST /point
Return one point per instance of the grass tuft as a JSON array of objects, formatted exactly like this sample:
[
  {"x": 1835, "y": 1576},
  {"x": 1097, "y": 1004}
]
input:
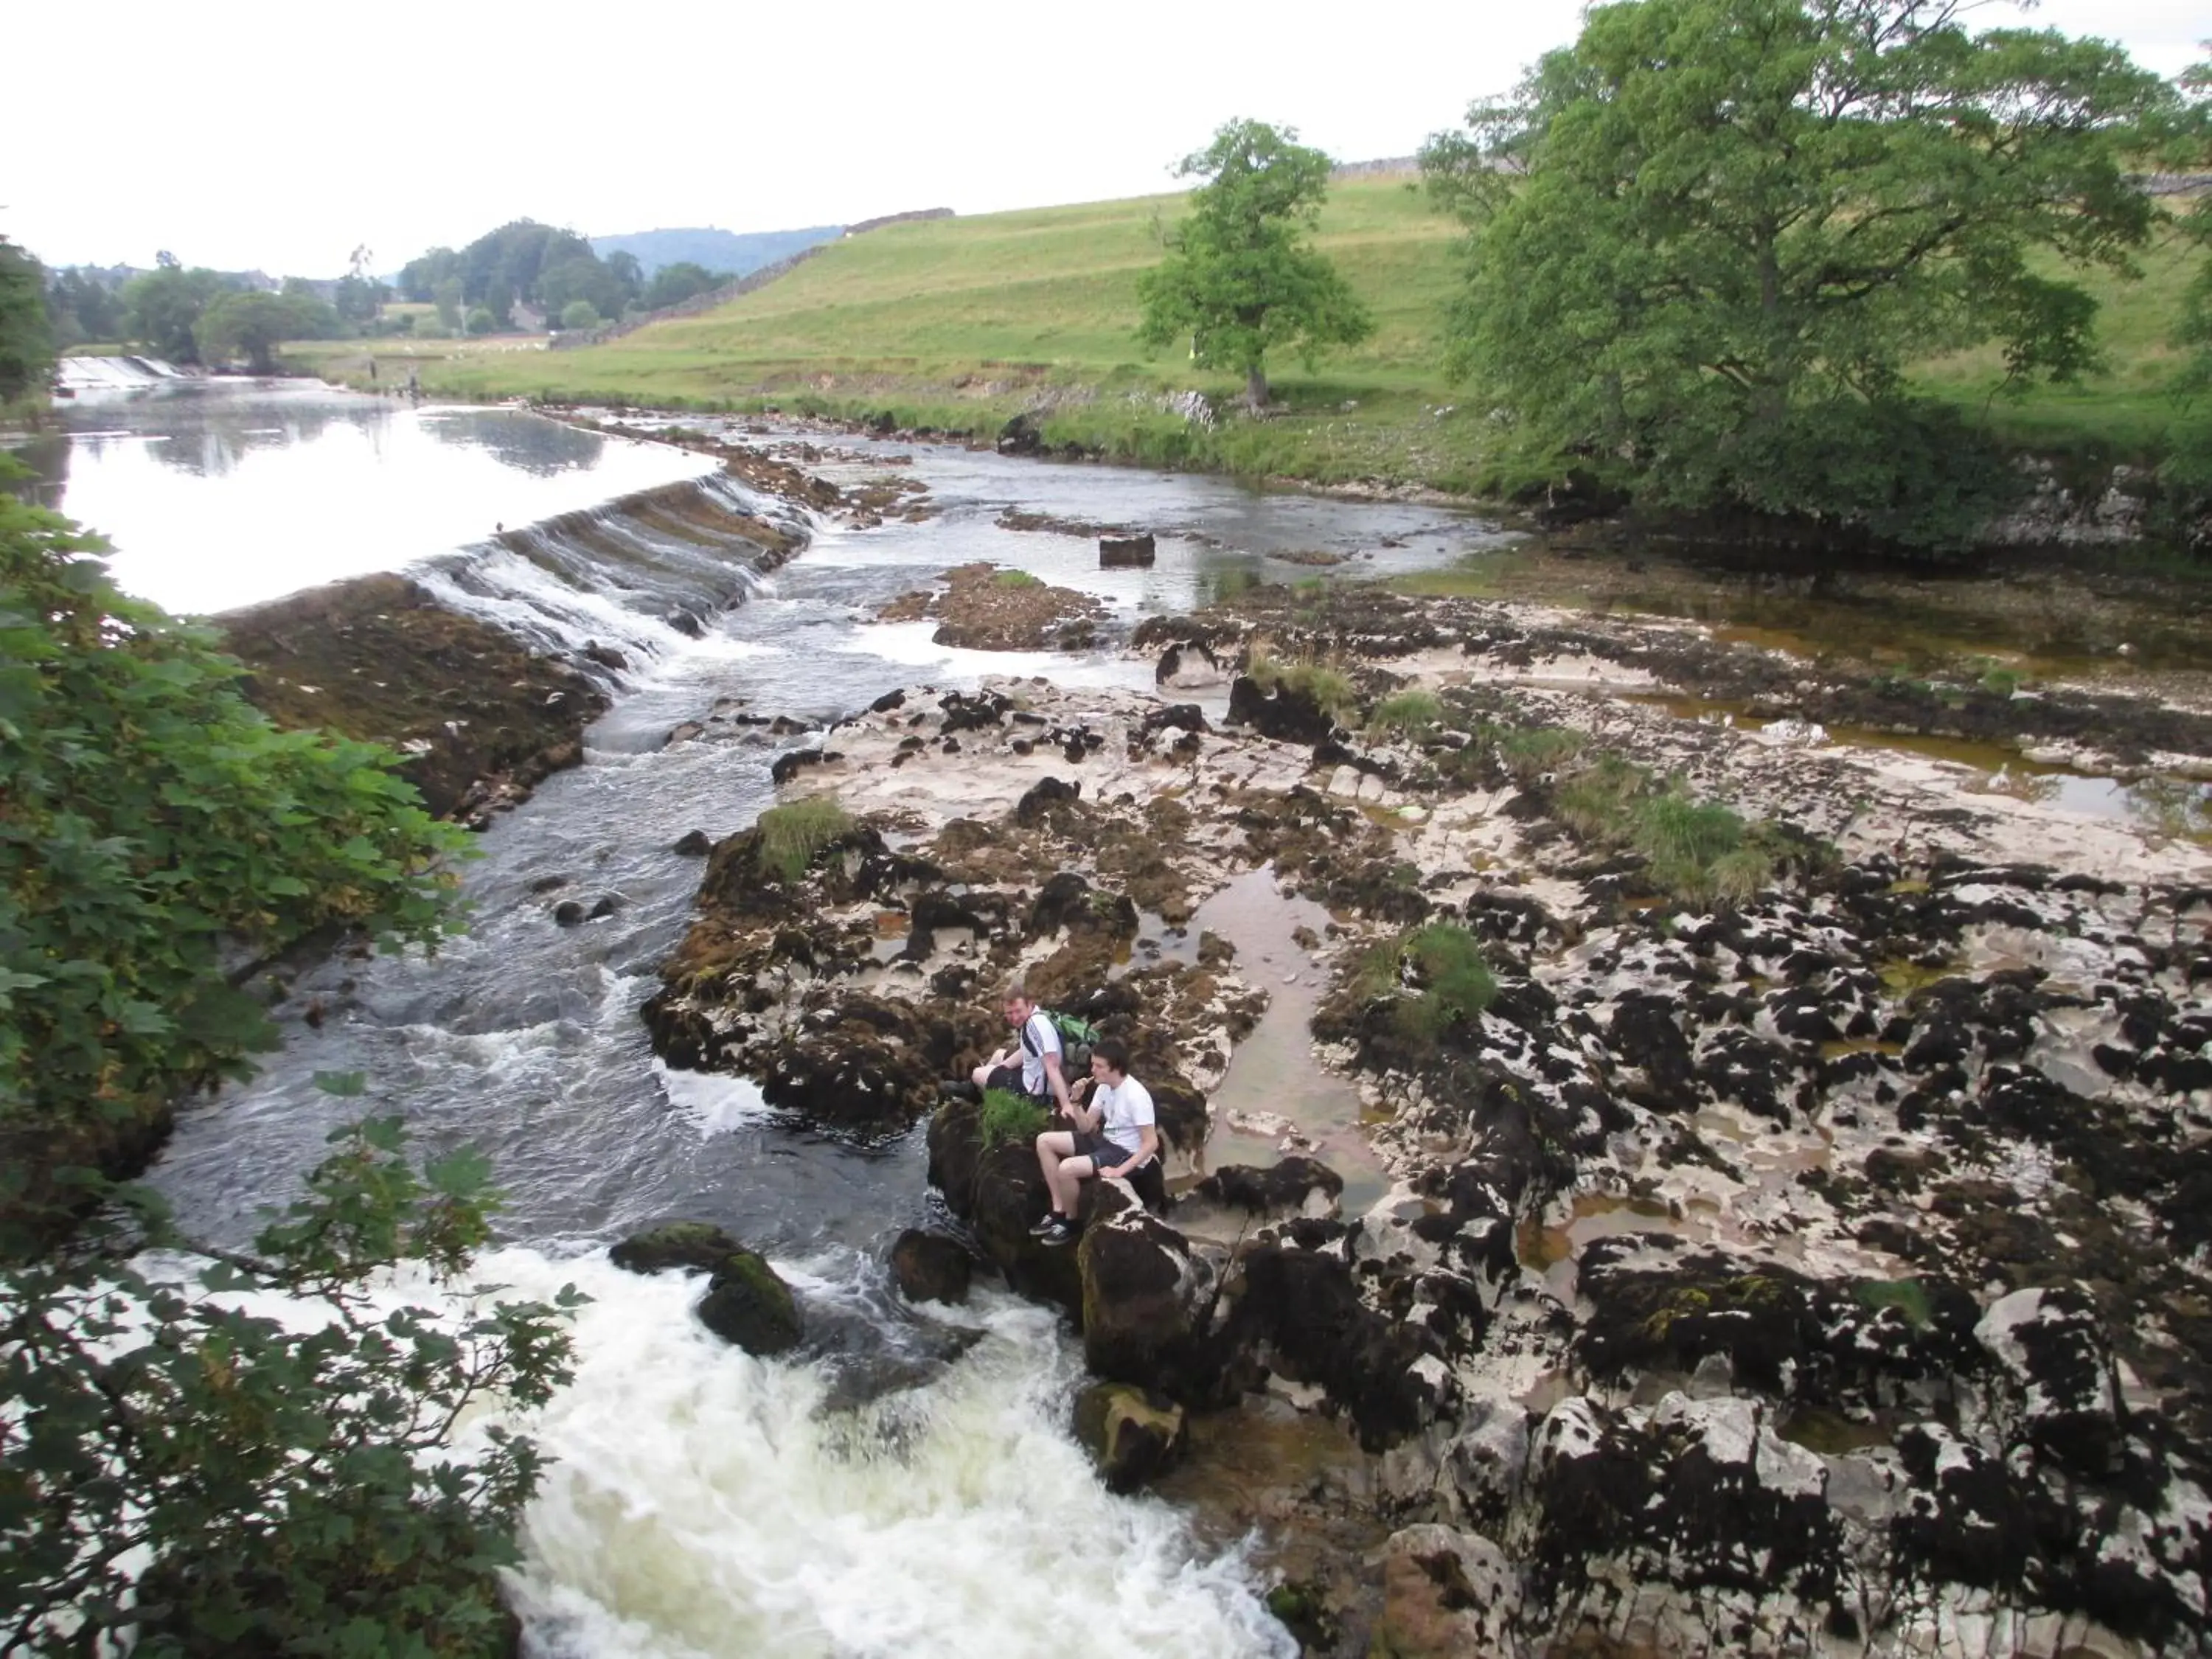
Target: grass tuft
[
  {"x": 1015, "y": 579},
  {"x": 1009, "y": 1117},
  {"x": 1406, "y": 713},
  {"x": 791, "y": 835},
  {"x": 1329, "y": 689}
]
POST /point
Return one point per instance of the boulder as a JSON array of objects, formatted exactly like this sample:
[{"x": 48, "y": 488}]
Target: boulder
[
  {"x": 931, "y": 1266},
  {"x": 1146, "y": 1299},
  {"x": 1190, "y": 666},
  {"x": 1287, "y": 715},
  {"x": 695, "y": 844},
  {"x": 1446, "y": 1594},
  {"x": 862, "y": 1064},
  {"x": 1288, "y": 1187},
  {"x": 2051, "y": 1346},
  {"x": 1022, "y": 436},
  {"x": 745, "y": 1303},
  {"x": 1131, "y": 1434},
  {"x": 1125, "y": 552}
]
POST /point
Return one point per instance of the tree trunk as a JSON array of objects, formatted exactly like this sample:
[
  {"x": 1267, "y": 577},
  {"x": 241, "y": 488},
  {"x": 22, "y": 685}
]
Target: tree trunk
[{"x": 1256, "y": 388}]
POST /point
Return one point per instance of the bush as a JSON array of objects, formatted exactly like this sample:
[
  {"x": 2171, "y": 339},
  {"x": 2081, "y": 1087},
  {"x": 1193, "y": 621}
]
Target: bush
[
  {"x": 1443, "y": 964},
  {"x": 481, "y": 321},
  {"x": 271, "y": 1485},
  {"x": 580, "y": 314},
  {"x": 791, "y": 835},
  {"x": 157, "y": 833},
  {"x": 1015, "y": 579},
  {"x": 1009, "y": 1117}
]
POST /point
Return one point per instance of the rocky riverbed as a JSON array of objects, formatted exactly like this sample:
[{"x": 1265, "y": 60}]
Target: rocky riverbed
[{"x": 1797, "y": 1154}]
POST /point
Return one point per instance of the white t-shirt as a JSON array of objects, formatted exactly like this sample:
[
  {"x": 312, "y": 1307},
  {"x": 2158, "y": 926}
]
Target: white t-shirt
[
  {"x": 1124, "y": 1111},
  {"x": 1039, "y": 1037}
]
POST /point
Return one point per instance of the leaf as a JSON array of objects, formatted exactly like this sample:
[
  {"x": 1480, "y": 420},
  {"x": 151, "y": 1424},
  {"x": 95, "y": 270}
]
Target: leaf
[{"x": 345, "y": 1085}]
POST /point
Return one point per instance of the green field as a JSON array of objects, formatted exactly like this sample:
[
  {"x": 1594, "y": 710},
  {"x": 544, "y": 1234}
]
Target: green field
[{"x": 959, "y": 323}]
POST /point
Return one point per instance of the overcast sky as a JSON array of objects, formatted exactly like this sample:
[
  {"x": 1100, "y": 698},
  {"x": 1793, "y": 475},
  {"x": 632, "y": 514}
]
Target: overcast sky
[{"x": 279, "y": 137}]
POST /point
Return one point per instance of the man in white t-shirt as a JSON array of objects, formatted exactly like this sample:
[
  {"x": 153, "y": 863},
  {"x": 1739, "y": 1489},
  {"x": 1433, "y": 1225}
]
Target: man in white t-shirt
[
  {"x": 1115, "y": 1134},
  {"x": 1033, "y": 1065}
]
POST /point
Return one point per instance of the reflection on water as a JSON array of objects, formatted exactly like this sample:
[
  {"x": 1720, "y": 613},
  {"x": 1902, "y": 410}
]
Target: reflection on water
[{"x": 219, "y": 494}]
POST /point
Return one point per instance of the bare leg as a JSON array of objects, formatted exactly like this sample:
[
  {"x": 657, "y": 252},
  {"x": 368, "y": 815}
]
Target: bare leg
[
  {"x": 1053, "y": 1145},
  {"x": 1067, "y": 1183}
]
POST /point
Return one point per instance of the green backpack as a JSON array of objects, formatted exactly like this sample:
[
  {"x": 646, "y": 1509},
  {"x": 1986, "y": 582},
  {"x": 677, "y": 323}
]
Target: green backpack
[{"x": 1076, "y": 1039}]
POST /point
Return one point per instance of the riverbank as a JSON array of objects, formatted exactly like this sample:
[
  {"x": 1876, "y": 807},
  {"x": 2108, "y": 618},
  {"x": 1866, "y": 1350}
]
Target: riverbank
[{"x": 1787, "y": 1146}]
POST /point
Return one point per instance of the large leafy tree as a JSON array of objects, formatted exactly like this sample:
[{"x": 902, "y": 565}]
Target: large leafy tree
[
  {"x": 181, "y": 1465},
  {"x": 158, "y": 836},
  {"x": 1240, "y": 280},
  {"x": 251, "y": 325},
  {"x": 162, "y": 307},
  {"x": 1712, "y": 235},
  {"x": 25, "y": 342},
  {"x": 2191, "y": 465}
]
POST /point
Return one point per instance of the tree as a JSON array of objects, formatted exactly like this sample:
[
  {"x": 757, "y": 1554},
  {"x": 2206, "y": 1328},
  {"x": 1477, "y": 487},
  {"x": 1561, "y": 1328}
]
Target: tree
[
  {"x": 447, "y": 294},
  {"x": 250, "y": 325},
  {"x": 162, "y": 307},
  {"x": 158, "y": 837},
  {"x": 672, "y": 284},
  {"x": 1239, "y": 279},
  {"x": 628, "y": 275},
  {"x": 177, "y": 1465},
  {"x": 579, "y": 314},
  {"x": 2189, "y": 467},
  {"x": 481, "y": 321},
  {"x": 78, "y": 309},
  {"x": 1712, "y": 235},
  {"x": 26, "y": 340}
]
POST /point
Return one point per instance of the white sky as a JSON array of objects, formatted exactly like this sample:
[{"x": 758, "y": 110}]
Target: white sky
[{"x": 280, "y": 136}]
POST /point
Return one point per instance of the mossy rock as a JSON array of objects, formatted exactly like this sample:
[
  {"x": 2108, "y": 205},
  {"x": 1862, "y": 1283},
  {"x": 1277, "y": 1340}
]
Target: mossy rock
[
  {"x": 1131, "y": 1433},
  {"x": 696, "y": 1245},
  {"x": 747, "y": 1304}
]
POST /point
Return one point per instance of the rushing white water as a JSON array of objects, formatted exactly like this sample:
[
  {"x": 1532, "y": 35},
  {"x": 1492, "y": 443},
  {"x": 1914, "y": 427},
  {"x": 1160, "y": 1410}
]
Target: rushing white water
[{"x": 705, "y": 1503}]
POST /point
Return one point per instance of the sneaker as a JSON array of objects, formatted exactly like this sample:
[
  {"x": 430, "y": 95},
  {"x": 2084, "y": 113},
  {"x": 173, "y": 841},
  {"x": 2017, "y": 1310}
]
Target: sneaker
[
  {"x": 1058, "y": 1233},
  {"x": 1045, "y": 1225}
]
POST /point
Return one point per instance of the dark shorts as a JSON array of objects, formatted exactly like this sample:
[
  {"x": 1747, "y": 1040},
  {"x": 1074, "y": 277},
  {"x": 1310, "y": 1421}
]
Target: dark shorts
[
  {"x": 1009, "y": 1078},
  {"x": 1103, "y": 1154}
]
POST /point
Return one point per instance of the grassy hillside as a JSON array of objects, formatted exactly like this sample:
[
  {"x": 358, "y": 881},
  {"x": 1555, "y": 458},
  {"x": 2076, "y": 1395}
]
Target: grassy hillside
[{"x": 960, "y": 323}]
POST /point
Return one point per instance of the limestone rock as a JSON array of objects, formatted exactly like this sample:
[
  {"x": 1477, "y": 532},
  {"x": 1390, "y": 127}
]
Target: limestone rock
[
  {"x": 931, "y": 1266},
  {"x": 1131, "y": 1434}
]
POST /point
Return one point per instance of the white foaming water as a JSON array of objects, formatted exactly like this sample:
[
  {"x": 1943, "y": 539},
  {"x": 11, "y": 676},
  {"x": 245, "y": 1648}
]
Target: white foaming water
[
  {"x": 705, "y": 1503},
  {"x": 716, "y": 1101}
]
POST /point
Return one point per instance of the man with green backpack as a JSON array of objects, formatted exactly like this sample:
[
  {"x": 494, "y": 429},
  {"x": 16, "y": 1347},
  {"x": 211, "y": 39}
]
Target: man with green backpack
[{"x": 1048, "y": 1049}]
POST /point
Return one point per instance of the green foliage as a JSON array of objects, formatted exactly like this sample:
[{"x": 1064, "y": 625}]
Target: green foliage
[
  {"x": 1406, "y": 713},
  {"x": 272, "y": 1489},
  {"x": 253, "y": 326},
  {"x": 1908, "y": 1296},
  {"x": 1443, "y": 966},
  {"x": 482, "y": 320},
  {"x": 1015, "y": 579},
  {"x": 1695, "y": 851},
  {"x": 447, "y": 296},
  {"x": 2190, "y": 469},
  {"x": 25, "y": 338},
  {"x": 580, "y": 314},
  {"x": 1328, "y": 689},
  {"x": 162, "y": 309},
  {"x": 672, "y": 284},
  {"x": 1239, "y": 280},
  {"x": 1728, "y": 226},
  {"x": 1009, "y": 1117},
  {"x": 791, "y": 835},
  {"x": 155, "y": 828},
  {"x": 79, "y": 307}
]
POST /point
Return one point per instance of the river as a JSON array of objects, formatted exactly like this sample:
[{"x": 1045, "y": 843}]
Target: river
[{"x": 907, "y": 1485}]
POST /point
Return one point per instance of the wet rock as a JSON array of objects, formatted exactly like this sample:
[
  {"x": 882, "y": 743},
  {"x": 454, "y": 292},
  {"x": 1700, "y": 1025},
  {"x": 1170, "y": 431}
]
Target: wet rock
[
  {"x": 569, "y": 912},
  {"x": 749, "y": 1305},
  {"x": 686, "y": 731},
  {"x": 2052, "y": 1347},
  {"x": 931, "y": 1266},
  {"x": 1131, "y": 1434},
  {"x": 1117, "y": 553},
  {"x": 1069, "y": 901},
  {"x": 1022, "y": 436},
  {"x": 605, "y": 656},
  {"x": 1287, "y": 715},
  {"x": 1297, "y": 1186},
  {"x": 1145, "y": 1300},
  {"x": 695, "y": 844},
  {"x": 790, "y": 764},
  {"x": 745, "y": 1303},
  {"x": 1446, "y": 1594},
  {"x": 1190, "y": 666},
  {"x": 1041, "y": 798},
  {"x": 860, "y": 1065}
]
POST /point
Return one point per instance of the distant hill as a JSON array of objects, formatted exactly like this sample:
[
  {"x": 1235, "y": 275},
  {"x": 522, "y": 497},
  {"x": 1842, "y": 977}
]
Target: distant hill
[{"x": 716, "y": 250}]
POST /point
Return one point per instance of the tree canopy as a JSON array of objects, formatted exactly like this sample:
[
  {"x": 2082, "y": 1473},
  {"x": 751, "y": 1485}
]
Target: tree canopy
[
  {"x": 1710, "y": 235},
  {"x": 1240, "y": 281},
  {"x": 25, "y": 340}
]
